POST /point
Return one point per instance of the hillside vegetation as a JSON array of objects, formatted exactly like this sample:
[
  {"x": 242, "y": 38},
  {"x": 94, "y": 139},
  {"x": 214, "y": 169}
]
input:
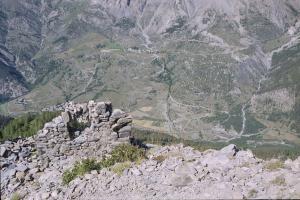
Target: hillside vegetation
[
  {"x": 265, "y": 152},
  {"x": 26, "y": 125}
]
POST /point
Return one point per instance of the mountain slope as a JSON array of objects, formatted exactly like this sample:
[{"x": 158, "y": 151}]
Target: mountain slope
[{"x": 194, "y": 69}]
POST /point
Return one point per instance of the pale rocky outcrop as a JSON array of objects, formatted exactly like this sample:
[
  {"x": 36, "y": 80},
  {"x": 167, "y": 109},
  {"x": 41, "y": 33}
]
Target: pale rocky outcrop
[{"x": 178, "y": 172}]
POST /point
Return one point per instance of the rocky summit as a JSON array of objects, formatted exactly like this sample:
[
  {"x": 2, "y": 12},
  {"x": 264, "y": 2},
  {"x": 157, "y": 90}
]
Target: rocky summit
[
  {"x": 215, "y": 70},
  {"x": 33, "y": 168}
]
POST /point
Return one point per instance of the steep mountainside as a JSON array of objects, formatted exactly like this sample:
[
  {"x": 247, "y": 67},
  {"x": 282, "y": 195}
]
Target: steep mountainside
[{"x": 198, "y": 69}]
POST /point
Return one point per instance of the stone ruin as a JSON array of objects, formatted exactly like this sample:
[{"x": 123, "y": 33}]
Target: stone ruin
[
  {"x": 58, "y": 145},
  {"x": 105, "y": 128}
]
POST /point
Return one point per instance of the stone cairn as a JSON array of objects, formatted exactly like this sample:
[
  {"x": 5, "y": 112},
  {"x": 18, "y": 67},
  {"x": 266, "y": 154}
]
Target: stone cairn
[{"x": 113, "y": 126}]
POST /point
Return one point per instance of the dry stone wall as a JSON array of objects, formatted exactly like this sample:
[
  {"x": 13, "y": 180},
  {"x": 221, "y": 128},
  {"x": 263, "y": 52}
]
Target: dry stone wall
[
  {"x": 59, "y": 144},
  {"x": 57, "y": 137}
]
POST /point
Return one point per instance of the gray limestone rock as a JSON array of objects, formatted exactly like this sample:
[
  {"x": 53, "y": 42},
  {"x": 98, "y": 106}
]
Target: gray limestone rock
[
  {"x": 21, "y": 167},
  {"x": 3, "y": 151},
  {"x": 136, "y": 172},
  {"x": 117, "y": 114},
  {"x": 230, "y": 150},
  {"x": 100, "y": 108},
  {"x": 20, "y": 176},
  {"x": 124, "y": 121},
  {"x": 124, "y": 132},
  {"x": 66, "y": 117},
  {"x": 45, "y": 195}
]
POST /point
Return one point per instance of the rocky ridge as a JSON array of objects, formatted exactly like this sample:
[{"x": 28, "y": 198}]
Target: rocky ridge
[
  {"x": 178, "y": 172},
  {"x": 33, "y": 167}
]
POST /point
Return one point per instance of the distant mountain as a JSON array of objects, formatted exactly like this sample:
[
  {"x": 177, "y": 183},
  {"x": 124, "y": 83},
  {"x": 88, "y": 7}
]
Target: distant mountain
[
  {"x": 12, "y": 83},
  {"x": 198, "y": 69}
]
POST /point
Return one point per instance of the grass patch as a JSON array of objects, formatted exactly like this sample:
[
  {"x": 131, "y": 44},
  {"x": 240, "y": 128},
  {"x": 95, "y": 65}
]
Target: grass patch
[
  {"x": 15, "y": 196},
  {"x": 119, "y": 168},
  {"x": 160, "y": 138},
  {"x": 26, "y": 125},
  {"x": 218, "y": 117},
  {"x": 160, "y": 158},
  {"x": 252, "y": 193},
  {"x": 231, "y": 120},
  {"x": 121, "y": 154},
  {"x": 245, "y": 164},
  {"x": 270, "y": 45},
  {"x": 109, "y": 44},
  {"x": 253, "y": 125},
  {"x": 279, "y": 152},
  {"x": 80, "y": 168},
  {"x": 277, "y": 116},
  {"x": 4, "y": 120},
  {"x": 287, "y": 76},
  {"x": 279, "y": 180},
  {"x": 274, "y": 165}
]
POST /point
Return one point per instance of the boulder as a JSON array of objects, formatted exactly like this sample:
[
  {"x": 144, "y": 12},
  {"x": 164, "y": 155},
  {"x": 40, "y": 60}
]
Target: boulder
[
  {"x": 84, "y": 108},
  {"x": 2, "y": 151},
  {"x": 25, "y": 152},
  {"x": 125, "y": 129},
  {"x": 100, "y": 108},
  {"x": 117, "y": 114},
  {"x": 94, "y": 115},
  {"x": 115, "y": 127},
  {"x": 114, "y": 136},
  {"x": 58, "y": 120},
  {"x": 54, "y": 194},
  {"x": 13, "y": 157},
  {"x": 45, "y": 195},
  {"x": 125, "y": 132},
  {"x": 230, "y": 150},
  {"x": 11, "y": 173},
  {"x": 66, "y": 116},
  {"x": 21, "y": 168},
  {"x": 124, "y": 121},
  {"x": 34, "y": 171},
  {"x": 94, "y": 172},
  {"x": 88, "y": 176},
  {"x": 20, "y": 176},
  {"x": 118, "y": 127},
  {"x": 136, "y": 172},
  {"x": 50, "y": 125}
]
